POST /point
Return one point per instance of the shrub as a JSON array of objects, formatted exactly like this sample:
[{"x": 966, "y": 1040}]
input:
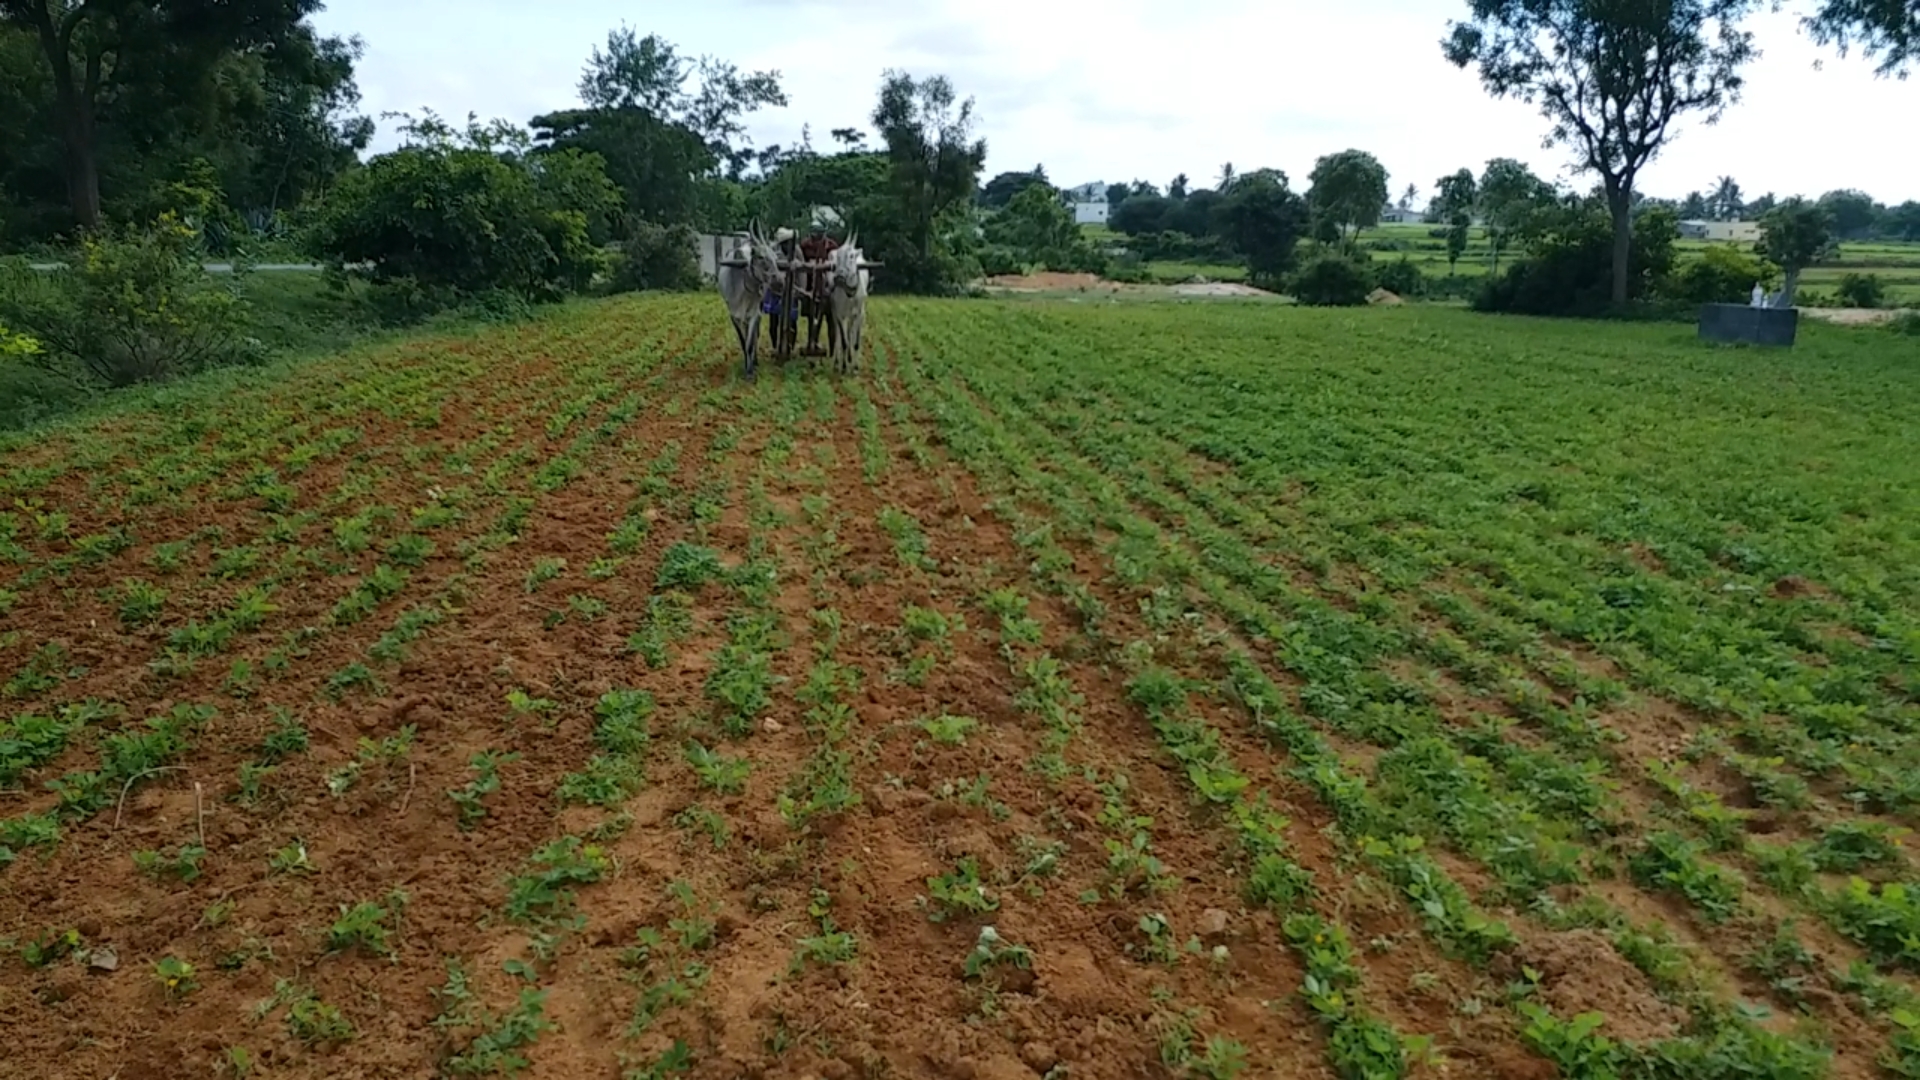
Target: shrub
[
  {"x": 998, "y": 261},
  {"x": 1402, "y": 278},
  {"x": 134, "y": 305},
  {"x": 1861, "y": 290},
  {"x": 1723, "y": 274},
  {"x": 1569, "y": 266},
  {"x": 656, "y": 257},
  {"x": 1906, "y": 323},
  {"x": 450, "y": 216},
  {"x": 1332, "y": 281}
]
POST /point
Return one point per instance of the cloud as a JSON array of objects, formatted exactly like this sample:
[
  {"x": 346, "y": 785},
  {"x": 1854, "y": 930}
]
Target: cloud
[{"x": 1132, "y": 88}]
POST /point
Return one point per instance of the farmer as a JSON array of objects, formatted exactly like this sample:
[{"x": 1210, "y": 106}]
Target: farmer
[
  {"x": 787, "y": 322},
  {"x": 815, "y": 249}
]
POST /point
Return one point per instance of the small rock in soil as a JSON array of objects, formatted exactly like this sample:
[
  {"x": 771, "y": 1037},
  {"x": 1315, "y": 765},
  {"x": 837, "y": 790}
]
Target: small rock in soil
[
  {"x": 1039, "y": 1057},
  {"x": 772, "y": 726},
  {"x": 103, "y": 959},
  {"x": 1213, "y": 922}
]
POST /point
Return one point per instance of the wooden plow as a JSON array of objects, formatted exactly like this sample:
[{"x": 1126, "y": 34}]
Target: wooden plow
[{"x": 803, "y": 282}]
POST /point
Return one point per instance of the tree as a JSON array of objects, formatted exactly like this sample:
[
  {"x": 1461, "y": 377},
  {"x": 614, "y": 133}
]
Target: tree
[
  {"x": 99, "y": 49},
  {"x": 1349, "y": 190},
  {"x": 1611, "y": 76},
  {"x": 1039, "y": 228},
  {"x": 1178, "y": 189},
  {"x": 1853, "y": 212},
  {"x": 1263, "y": 219},
  {"x": 1793, "y": 236},
  {"x": 1141, "y": 214},
  {"x": 999, "y": 191},
  {"x": 1226, "y": 179},
  {"x": 1116, "y": 194},
  {"x": 1903, "y": 221},
  {"x": 933, "y": 163},
  {"x": 654, "y": 162},
  {"x": 1761, "y": 205},
  {"x": 1510, "y": 194},
  {"x": 1726, "y": 203},
  {"x": 1568, "y": 267},
  {"x": 1889, "y": 29},
  {"x": 452, "y": 214},
  {"x": 1454, "y": 204},
  {"x": 1409, "y": 196},
  {"x": 648, "y": 74},
  {"x": 1695, "y": 207}
]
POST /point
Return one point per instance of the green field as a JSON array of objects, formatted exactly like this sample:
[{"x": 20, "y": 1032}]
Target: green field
[
  {"x": 1896, "y": 264},
  {"x": 1157, "y": 689}
]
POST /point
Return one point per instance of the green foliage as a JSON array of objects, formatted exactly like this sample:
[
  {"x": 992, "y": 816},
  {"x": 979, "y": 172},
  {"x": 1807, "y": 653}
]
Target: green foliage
[
  {"x": 1263, "y": 219},
  {"x": 545, "y": 889},
  {"x": 1401, "y": 277},
  {"x": 134, "y": 306},
  {"x": 1331, "y": 280},
  {"x": 1861, "y": 290},
  {"x": 960, "y": 892},
  {"x": 1348, "y": 190},
  {"x": 454, "y": 215},
  {"x": 1670, "y": 861},
  {"x": 1794, "y": 235},
  {"x": 1884, "y": 919},
  {"x": 1722, "y": 274},
  {"x": 1568, "y": 268},
  {"x": 656, "y": 257}
]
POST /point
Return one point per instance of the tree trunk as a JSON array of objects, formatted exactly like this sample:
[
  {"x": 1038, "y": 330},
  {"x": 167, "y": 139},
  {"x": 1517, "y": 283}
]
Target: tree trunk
[
  {"x": 1790, "y": 286},
  {"x": 1619, "y": 202},
  {"x": 83, "y": 165},
  {"x": 75, "y": 103}
]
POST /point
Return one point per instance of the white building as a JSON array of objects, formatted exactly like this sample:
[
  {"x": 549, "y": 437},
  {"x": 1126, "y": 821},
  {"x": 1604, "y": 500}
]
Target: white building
[
  {"x": 1401, "y": 215},
  {"x": 1090, "y": 213},
  {"x": 1735, "y": 232}
]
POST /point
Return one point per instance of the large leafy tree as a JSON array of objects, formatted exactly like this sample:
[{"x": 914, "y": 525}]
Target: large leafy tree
[
  {"x": 1612, "y": 77},
  {"x": 1793, "y": 236},
  {"x": 1853, "y": 212},
  {"x": 1510, "y": 196},
  {"x": 996, "y": 193},
  {"x": 1458, "y": 194},
  {"x": 1349, "y": 191},
  {"x": 1264, "y": 219},
  {"x": 656, "y": 163},
  {"x": 933, "y": 167},
  {"x": 708, "y": 96},
  {"x": 102, "y": 53},
  {"x": 455, "y": 213},
  {"x": 1886, "y": 29}
]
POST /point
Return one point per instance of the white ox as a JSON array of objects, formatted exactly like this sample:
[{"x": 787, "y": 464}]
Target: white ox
[
  {"x": 847, "y": 303},
  {"x": 743, "y": 288}
]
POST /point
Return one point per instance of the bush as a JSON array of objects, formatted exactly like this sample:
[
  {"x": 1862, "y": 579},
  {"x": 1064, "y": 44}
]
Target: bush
[
  {"x": 1861, "y": 290},
  {"x": 1723, "y": 274},
  {"x": 1402, "y": 278},
  {"x": 134, "y": 305},
  {"x": 1907, "y": 322},
  {"x": 999, "y": 261},
  {"x": 1332, "y": 281},
  {"x": 1569, "y": 266},
  {"x": 657, "y": 257},
  {"x": 448, "y": 218}
]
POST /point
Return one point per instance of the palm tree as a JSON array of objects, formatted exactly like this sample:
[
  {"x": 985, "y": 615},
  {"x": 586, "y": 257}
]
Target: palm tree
[{"x": 1725, "y": 201}]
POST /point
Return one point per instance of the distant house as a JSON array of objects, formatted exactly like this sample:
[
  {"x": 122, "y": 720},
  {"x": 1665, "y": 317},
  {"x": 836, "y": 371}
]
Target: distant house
[
  {"x": 1090, "y": 213},
  {"x": 1095, "y": 192},
  {"x": 1401, "y": 215},
  {"x": 1732, "y": 232}
]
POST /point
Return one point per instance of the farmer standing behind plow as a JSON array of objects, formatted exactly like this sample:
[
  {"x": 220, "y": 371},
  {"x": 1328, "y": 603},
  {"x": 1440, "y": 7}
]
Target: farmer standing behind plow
[{"x": 815, "y": 249}]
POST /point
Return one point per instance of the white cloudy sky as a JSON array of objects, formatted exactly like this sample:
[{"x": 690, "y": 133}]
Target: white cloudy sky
[{"x": 1123, "y": 89}]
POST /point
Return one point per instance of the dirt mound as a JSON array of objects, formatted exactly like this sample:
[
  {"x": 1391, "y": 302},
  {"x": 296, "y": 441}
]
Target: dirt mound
[
  {"x": 1580, "y": 972},
  {"x": 1383, "y": 298}
]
